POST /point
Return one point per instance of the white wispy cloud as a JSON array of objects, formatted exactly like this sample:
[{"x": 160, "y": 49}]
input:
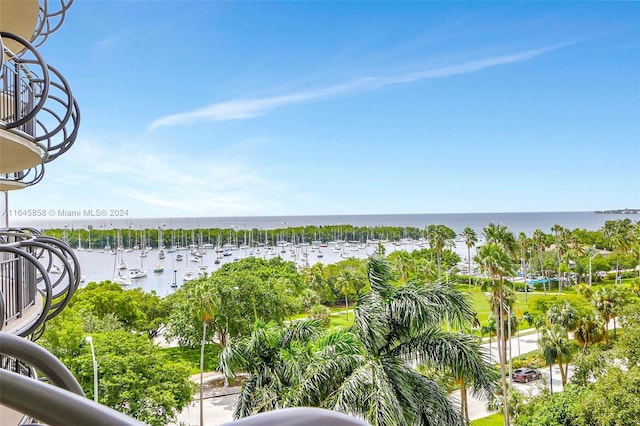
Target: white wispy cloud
[
  {"x": 109, "y": 43},
  {"x": 247, "y": 108},
  {"x": 138, "y": 175}
]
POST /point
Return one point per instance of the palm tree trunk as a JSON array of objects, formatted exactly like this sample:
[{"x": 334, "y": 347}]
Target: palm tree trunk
[
  {"x": 502, "y": 356},
  {"x": 469, "y": 263},
  {"x": 563, "y": 375},
  {"x": 464, "y": 406}
]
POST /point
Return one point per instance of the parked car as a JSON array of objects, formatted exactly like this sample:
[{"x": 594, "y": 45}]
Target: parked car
[{"x": 525, "y": 375}]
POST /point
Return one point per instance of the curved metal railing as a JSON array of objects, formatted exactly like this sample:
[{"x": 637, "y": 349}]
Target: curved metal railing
[
  {"x": 49, "y": 20},
  {"x": 32, "y": 264},
  {"x": 36, "y": 100},
  {"x": 62, "y": 115},
  {"x": 26, "y": 177},
  {"x": 25, "y": 86}
]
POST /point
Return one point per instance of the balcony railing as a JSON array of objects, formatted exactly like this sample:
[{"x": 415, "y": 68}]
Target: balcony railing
[
  {"x": 50, "y": 18},
  {"x": 26, "y": 178},
  {"x": 24, "y": 87},
  {"x": 36, "y": 102},
  {"x": 38, "y": 276}
]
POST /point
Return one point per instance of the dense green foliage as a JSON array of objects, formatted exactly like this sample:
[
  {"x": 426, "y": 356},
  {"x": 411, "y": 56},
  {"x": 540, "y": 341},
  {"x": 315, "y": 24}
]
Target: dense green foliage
[
  {"x": 242, "y": 292},
  {"x": 362, "y": 370},
  {"x": 605, "y": 389},
  {"x": 134, "y": 375}
]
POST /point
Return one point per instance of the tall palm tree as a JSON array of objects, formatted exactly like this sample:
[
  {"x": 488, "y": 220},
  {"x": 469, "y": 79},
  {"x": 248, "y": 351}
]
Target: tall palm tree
[
  {"x": 470, "y": 240},
  {"x": 363, "y": 371},
  {"x": 635, "y": 233},
  {"x": 561, "y": 236},
  {"x": 554, "y": 339},
  {"x": 540, "y": 246},
  {"x": 496, "y": 263},
  {"x": 524, "y": 244},
  {"x": 204, "y": 308},
  {"x": 500, "y": 234},
  {"x": 608, "y": 301},
  {"x": 618, "y": 235},
  {"x": 440, "y": 237}
]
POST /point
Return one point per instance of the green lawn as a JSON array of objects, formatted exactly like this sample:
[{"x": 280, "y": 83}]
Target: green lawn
[
  {"x": 339, "y": 318},
  {"x": 483, "y": 308},
  {"x": 492, "y": 420},
  {"x": 191, "y": 357}
]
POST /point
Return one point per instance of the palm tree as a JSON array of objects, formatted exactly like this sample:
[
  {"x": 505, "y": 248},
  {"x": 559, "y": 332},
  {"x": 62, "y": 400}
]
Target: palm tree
[
  {"x": 440, "y": 237},
  {"x": 618, "y": 234},
  {"x": 563, "y": 314},
  {"x": 608, "y": 301},
  {"x": 204, "y": 308},
  {"x": 588, "y": 330},
  {"x": 261, "y": 356},
  {"x": 561, "y": 240},
  {"x": 554, "y": 340},
  {"x": 500, "y": 234},
  {"x": 540, "y": 245},
  {"x": 404, "y": 263},
  {"x": 524, "y": 243},
  {"x": 495, "y": 262},
  {"x": 363, "y": 371},
  {"x": 635, "y": 233},
  {"x": 470, "y": 239}
]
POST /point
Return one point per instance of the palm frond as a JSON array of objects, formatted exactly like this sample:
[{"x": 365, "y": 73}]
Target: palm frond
[
  {"x": 304, "y": 330},
  {"x": 418, "y": 307},
  {"x": 370, "y": 322},
  {"x": 245, "y": 403},
  {"x": 379, "y": 274},
  {"x": 437, "y": 409},
  {"x": 232, "y": 357},
  {"x": 385, "y": 408},
  {"x": 459, "y": 353}
]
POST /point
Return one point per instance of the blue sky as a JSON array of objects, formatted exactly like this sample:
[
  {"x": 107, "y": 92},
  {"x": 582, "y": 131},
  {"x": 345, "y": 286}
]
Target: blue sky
[{"x": 299, "y": 108}]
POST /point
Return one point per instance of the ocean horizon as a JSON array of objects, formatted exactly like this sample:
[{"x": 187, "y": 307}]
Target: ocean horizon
[
  {"x": 98, "y": 265},
  {"x": 517, "y": 222}
]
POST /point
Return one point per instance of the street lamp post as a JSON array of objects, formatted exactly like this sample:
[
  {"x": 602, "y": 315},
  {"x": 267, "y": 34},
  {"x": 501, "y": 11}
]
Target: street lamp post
[{"x": 95, "y": 368}]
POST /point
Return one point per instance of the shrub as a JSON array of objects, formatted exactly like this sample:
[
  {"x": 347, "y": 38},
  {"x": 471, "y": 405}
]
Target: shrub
[{"x": 321, "y": 313}]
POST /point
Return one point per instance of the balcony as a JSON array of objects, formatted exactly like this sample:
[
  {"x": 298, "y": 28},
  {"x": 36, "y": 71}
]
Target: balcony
[
  {"x": 39, "y": 118},
  {"x": 38, "y": 276}
]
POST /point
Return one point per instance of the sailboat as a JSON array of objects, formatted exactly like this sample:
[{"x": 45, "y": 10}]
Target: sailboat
[
  {"x": 138, "y": 273},
  {"x": 121, "y": 263},
  {"x": 80, "y": 248},
  {"x": 119, "y": 279}
]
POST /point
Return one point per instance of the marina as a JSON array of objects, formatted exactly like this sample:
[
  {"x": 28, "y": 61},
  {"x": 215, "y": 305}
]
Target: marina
[
  {"x": 129, "y": 260},
  {"x": 164, "y": 275}
]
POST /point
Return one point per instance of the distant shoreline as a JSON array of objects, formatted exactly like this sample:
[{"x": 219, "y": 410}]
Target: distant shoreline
[{"x": 618, "y": 211}]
